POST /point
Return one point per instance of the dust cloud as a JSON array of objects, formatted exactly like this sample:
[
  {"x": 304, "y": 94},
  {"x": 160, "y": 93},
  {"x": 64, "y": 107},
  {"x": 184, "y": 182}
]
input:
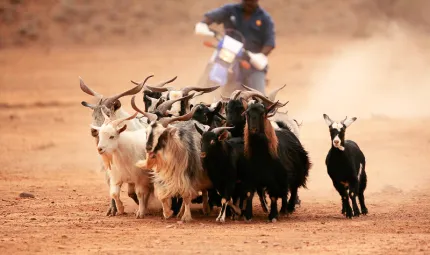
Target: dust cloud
[{"x": 382, "y": 76}]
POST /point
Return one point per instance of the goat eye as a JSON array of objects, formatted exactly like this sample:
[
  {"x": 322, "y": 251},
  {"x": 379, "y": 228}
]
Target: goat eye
[{"x": 111, "y": 137}]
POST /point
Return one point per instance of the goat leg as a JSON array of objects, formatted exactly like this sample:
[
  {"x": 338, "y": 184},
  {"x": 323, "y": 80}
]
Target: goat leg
[
  {"x": 132, "y": 193},
  {"x": 248, "y": 206},
  {"x": 187, "y": 210},
  {"x": 273, "y": 215},
  {"x": 262, "y": 196},
  {"x": 115, "y": 191},
  {"x": 353, "y": 196},
  {"x": 167, "y": 212},
  {"x": 112, "y": 208},
  {"x": 205, "y": 203}
]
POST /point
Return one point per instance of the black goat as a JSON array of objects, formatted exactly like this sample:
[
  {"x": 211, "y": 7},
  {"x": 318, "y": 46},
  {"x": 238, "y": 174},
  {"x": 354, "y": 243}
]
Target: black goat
[
  {"x": 209, "y": 115},
  {"x": 221, "y": 161},
  {"x": 277, "y": 160},
  {"x": 346, "y": 166}
]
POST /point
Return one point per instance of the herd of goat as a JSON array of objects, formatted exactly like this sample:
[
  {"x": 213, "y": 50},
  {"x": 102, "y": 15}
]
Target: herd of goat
[{"x": 217, "y": 154}]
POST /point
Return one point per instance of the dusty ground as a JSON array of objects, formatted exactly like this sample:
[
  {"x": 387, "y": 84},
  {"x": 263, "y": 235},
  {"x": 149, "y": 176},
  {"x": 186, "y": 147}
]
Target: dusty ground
[{"x": 46, "y": 148}]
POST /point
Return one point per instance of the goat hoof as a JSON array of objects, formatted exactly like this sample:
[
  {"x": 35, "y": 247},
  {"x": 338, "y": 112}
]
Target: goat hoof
[
  {"x": 364, "y": 211},
  {"x": 168, "y": 214},
  {"x": 274, "y": 220},
  {"x": 140, "y": 215},
  {"x": 186, "y": 219}
]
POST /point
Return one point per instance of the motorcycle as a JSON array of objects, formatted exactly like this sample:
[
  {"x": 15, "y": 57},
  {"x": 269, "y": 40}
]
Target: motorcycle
[{"x": 223, "y": 66}]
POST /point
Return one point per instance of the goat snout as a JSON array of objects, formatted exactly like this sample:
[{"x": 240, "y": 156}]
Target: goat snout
[
  {"x": 149, "y": 148},
  {"x": 101, "y": 150}
]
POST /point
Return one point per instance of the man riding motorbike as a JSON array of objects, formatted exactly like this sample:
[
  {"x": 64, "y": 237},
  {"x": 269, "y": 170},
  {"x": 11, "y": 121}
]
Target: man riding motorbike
[{"x": 256, "y": 25}]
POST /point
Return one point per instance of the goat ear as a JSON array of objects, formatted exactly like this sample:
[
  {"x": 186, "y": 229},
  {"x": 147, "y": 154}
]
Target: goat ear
[
  {"x": 223, "y": 135},
  {"x": 327, "y": 119},
  {"x": 122, "y": 129},
  {"x": 349, "y": 121},
  {"x": 88, "y": 105},
  {"x": 116, "y": 105},
  {"x": 198, "y": 129},
  {"x": 94, "y": 132}
]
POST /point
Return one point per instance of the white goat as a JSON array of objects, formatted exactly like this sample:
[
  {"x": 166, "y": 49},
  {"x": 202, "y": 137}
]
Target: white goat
[{"x": 121, "y": 150}]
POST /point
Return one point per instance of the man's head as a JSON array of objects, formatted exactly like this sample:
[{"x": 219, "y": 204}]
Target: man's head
[{"x": 249, "y": 5}]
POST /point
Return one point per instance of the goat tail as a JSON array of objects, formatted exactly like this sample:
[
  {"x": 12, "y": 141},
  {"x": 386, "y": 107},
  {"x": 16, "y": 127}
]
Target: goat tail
[
  {"x": 283, "y": 125},
  {"x": 307, "y": 166}
]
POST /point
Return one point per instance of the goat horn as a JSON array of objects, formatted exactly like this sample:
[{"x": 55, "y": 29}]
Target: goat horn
[
  {"x": 87, "y": 90},
  {"x": 249, "y": 88},
  {"x": 116, "y": 123},
  {"x": 272, "y": 114},
  {"x": 272, "y": 94},
  {"x": 218, "y": 130},
  {"x": 225, "y": 98},
  {"x": 167, "y": 120},
  {"x": 276, "y": 105},
  {"x": 187, "y": 90},
  {"x": 161, "y": 84},
  {"x": 107, "y": 119},
  {"x": 162, "y": 108},
  {"x": 151, "y": 117},
  {"x": 157, "y": 89},
  {"x": 248, "y": 94},
  {"x": 129, "y": 92},
  {"x": 238, "y": 92}
]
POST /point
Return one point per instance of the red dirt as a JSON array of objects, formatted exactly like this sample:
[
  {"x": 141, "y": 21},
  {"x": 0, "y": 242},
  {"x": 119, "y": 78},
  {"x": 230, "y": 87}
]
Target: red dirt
[{"x": 46, "y": 148}]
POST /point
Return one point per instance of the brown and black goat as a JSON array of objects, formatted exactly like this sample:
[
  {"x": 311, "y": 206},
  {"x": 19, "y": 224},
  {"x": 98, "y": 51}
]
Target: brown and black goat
[{"x": 277, "y": 160}]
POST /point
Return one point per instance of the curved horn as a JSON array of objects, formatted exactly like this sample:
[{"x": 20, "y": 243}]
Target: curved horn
[
  {"x": 248, "y": 94},
  {"x": 238, "y": 92},
  {"x": 161, "y": 84},
  {"x": 129, "y": 92},
  {"x": 272, "y": 94},
  {"x": 272, "y": 114},
  {"x": 270, "y": 108},
  {"x": 187, "y": 90},
  {"x": 151, "y": 117},
  {"x": 156, "y": 89},
  {"x": 218, "y": 130},
  {"x": 249, "y": 88},
  {"x": 87, "y": 90},
  {"x": 162, "y": 108},
  {"x": 225, "y": 98},
  {"x": 107, "y": 119},
  {"x": 167, "y": 120},
  {"x": 116, "y": 123}
]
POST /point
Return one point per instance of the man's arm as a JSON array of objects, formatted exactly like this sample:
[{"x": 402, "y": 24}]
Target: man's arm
[
  {"x": 269, "y": 37},
  {"x": 217, "y": 15}
]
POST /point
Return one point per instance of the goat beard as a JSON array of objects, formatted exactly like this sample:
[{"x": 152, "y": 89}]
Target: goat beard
[{"x": 269, "y": 133}]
